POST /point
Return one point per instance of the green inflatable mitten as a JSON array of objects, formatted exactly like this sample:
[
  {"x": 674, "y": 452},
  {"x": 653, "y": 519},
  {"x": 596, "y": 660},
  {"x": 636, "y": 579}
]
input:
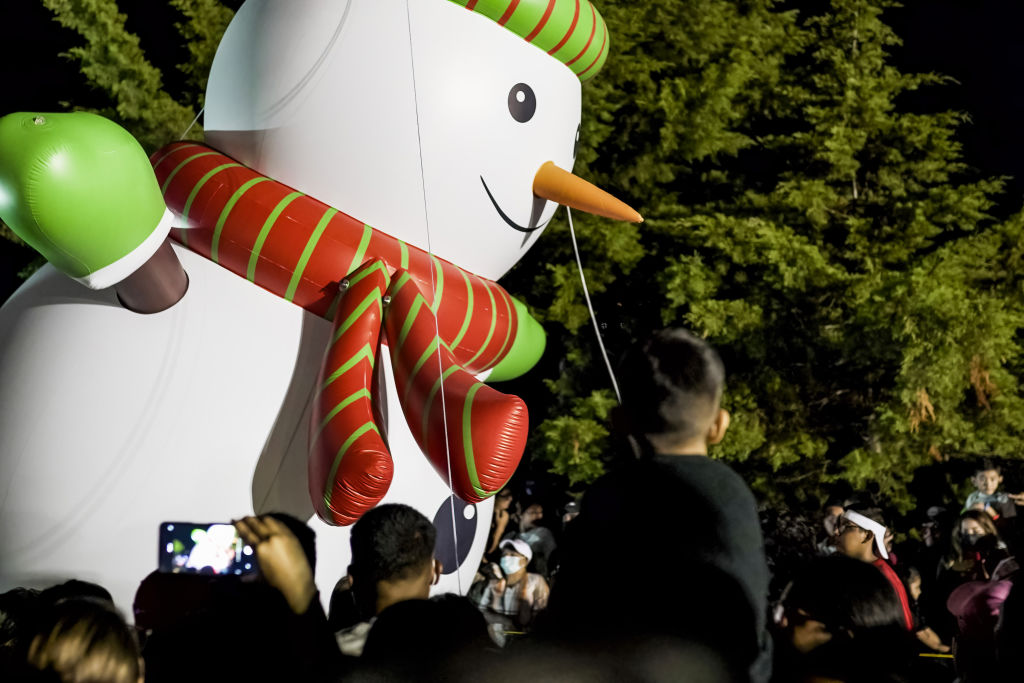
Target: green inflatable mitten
[
  {"x": 527, "y": 347},
  {"x": 80, "y": 190}
]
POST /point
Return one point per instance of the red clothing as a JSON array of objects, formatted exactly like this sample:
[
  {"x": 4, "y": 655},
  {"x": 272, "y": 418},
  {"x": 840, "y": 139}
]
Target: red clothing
[{"x": 901, "y": 592}]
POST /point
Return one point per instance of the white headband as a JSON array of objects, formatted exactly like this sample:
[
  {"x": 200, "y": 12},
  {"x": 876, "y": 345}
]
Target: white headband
[{"x": 869, "y": 525}]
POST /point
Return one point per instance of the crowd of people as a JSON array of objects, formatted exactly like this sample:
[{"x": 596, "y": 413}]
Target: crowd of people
[{"x": 663, "y": 571}]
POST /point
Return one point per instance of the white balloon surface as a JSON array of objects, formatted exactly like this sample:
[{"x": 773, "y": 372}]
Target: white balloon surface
[{"x": 396, "y": 113}]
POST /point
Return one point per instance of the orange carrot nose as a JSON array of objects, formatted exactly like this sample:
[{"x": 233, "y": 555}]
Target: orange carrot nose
[{"x": 558, "y": 185}]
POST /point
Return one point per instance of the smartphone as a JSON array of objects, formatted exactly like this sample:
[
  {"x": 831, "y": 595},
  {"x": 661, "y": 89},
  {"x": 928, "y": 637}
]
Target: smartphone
[{"x": 187, "y": 547}]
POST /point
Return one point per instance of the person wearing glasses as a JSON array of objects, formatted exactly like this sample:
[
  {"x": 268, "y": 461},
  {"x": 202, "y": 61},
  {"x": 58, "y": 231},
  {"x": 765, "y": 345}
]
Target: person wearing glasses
[{"x": 861, "y": 535}]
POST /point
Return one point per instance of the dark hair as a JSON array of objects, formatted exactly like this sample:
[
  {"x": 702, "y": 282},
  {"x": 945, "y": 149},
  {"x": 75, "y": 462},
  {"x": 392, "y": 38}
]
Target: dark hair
[
  {"x": 986, "y": 464},
  {"x": 844, "y": 593},
  {"x": 789, "y": 539},
  {"x": 859, "y": 607},
  {"x": 417, "y": 636},
  {"x": 18, "y": 608},
  {"x": 390, "y": 542},
  {"x": 987, "y": 554},
  {"x": 85, "y": 639},
  {"x": 874, "y": 514},
  {"x": 671, "y": 384},
  {"x": 75, "y": 588},
  {"x": 959, "y": 549}
]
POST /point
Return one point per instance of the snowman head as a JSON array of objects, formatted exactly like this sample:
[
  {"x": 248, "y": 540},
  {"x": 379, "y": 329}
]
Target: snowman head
[{"x": 424, "y": 120}]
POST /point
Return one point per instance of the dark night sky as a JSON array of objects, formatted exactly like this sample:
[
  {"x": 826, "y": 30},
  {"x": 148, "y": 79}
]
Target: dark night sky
[
  {"x": 977, "y": 42},
  {"x": 980, "y": 44}
]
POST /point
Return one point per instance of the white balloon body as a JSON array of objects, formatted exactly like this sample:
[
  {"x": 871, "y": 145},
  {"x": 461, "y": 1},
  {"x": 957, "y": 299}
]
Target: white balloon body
[
  {"x": 345, "y": 100},
  {"x": 394, "y": 112},
  {"x": 114, "y": 422}
]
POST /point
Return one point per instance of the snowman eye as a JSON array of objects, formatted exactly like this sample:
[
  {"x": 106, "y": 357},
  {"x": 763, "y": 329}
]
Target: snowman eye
[
  {"x": 522, "y": 103},
  {"x": 576, "y": 145}
]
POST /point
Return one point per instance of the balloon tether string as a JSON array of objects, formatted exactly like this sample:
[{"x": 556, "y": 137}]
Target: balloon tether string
[
  {"x": 433, "y": 287},
  {"x": 590, "y": 307},
  {"x": 182, "y": 136}
]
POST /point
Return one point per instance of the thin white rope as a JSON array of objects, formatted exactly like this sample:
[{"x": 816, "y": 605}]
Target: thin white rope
[
  {"x": 182, "y": 136},
  {"x": 433, "y": 288},
  {"x": 593, "y": 316}
]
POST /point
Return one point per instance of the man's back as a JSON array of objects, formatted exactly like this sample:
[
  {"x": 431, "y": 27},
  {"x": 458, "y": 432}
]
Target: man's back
[{"x": 682, "y": 554}]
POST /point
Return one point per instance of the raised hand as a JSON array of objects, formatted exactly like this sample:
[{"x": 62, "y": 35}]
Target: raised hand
[{"x": 281, "y": 558}]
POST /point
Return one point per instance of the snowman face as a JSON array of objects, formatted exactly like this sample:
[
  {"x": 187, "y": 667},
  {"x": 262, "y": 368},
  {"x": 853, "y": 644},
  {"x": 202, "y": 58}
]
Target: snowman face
[
  {"x": 426, "y": 121},
  {"x": 492, "y": 110}
]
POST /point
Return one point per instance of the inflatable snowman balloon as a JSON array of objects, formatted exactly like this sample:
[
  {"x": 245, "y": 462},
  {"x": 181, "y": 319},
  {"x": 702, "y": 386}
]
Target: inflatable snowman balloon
[{"x": 315, "y": 339}]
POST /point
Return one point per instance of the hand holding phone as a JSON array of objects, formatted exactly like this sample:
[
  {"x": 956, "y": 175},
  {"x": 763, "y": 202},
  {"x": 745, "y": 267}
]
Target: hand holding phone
[{"x": 195, "y": 548}]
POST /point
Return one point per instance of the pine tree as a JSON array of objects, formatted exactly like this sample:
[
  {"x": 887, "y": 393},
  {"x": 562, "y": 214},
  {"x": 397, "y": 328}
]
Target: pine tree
[
  {"x": 113, "y": 61},
  {"x": 205, "y": 23},
  {"x": 832, "y": 246},
  {"x": 675, "y": 97}
]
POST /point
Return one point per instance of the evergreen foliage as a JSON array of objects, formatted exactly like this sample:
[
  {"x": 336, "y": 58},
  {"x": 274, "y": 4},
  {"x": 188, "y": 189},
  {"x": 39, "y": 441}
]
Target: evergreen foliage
[
  {"x": 205, "y": 23},
  {"x": 113, "y": 62},
  {"x": 833, "y": 247}
]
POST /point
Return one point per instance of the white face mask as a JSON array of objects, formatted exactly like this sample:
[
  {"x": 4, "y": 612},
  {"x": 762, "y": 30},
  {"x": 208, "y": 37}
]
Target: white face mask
[{"x": 510, "y": 564}]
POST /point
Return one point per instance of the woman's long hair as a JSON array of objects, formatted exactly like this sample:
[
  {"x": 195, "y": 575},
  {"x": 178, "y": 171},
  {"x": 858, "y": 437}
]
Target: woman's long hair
[
  {"x": 962, "y": 557},
  {"x": 84, "y": 639}
]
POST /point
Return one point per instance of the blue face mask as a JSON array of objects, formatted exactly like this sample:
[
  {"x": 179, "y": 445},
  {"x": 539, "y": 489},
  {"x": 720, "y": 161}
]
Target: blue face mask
[{"x": 510, "y": 564}]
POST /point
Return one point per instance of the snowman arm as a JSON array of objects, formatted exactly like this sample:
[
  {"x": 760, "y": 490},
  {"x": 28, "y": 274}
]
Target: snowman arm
[
  {"x": 350, "y": 466},
  {"x": 79, "y": 189},
  {"x": 462, "y": 425}
]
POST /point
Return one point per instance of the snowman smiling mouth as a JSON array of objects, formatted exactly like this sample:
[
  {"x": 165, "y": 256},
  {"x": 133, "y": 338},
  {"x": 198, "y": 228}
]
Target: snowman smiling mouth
[
  {"x": 512, "y": 224},
  {"x": 562, "y": 187}
]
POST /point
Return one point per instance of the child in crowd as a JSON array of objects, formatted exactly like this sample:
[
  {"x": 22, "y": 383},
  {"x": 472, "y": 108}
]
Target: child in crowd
[
  {"x": 1000, "y": 505},
  {"x": 668, "y": 543}
]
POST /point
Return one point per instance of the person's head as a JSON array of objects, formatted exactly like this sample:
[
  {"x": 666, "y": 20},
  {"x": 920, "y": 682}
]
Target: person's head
[
  {"x": 861, "y": 535},
  {"x": 830, "y": 514},
  {"x": 533, "y": 512},
  {"x": 515, "y": 556},
  {"x": 936, "y": 525},
  {"x": 393, "y": 555},
  {"x": 974, "y": 534},
  {"x": 570, "y": 512},
  {"x": 75, "y": 588},
  {"x": 503, "y": 499},
  {"x": 16, "y": 607},
  {"x": 414, "y": 639},
  {"x": 842, "y": 618},
  {"x": 85, "y": 639},
  {"x": 837, "y": 596},
  {"x": 914, "y": 583},
  {"x": 987, "y": 477},
  {"x": 671, "y": 388},
  {"x": 974, "y": 524}
]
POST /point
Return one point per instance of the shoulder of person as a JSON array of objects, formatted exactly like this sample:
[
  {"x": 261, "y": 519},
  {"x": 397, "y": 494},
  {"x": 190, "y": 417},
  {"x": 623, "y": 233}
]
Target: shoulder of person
[
  {"x": 714, "y": 478},
  {"x": 351, "y": 640},
  {"x": 536, "y": 582}
]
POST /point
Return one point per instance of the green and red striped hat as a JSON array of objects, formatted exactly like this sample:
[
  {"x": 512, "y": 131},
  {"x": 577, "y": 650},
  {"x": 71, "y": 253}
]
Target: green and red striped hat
[{"x": 571, "y": 31}]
